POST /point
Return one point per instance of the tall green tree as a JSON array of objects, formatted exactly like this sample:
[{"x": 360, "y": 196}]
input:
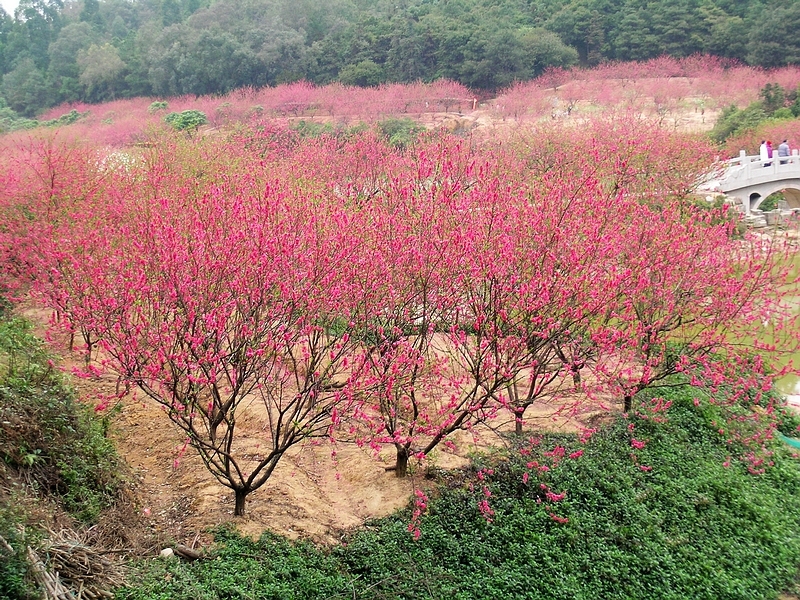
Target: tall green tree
[
  {"x": 100, "y": 68},
  {"x": 633, "y": 37},
  {"x": 25, "y": 88},
  {"x": 216, "y": 63},
  {"x": 64, "y": 72},
  {"x": 91, "y": 14},
  {"x": 773, "y": 40},
  {"x": 37, "y": 24},
  {"x": 171, "y": 12},
  {"x": 6, "y": 23}
]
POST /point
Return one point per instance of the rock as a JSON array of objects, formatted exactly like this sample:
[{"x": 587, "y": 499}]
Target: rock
[{"x": 167, "y": 554}]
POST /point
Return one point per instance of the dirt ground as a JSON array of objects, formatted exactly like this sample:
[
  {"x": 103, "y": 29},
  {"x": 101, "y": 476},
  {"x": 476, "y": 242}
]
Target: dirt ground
[{"x": 312, "y": 494}]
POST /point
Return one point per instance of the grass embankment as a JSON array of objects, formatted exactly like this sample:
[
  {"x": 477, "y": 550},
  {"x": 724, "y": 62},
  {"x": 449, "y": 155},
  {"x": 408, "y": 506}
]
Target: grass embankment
[
  {"x": 56, "y": 465},
  {"x": 697, "y": 525}
]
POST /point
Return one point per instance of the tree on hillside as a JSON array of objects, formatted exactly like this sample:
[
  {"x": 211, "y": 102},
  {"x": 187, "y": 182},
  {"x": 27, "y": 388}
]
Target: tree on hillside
[
  {"x": 91, "y": 14},
  {"x": 25, "y": 89},
  {"x": 772, "y": 40},
  {"x": 685, "y": 305},
  {"x": 73, "y": 39},
  {"x": 216, "y": 62},
  {"x": 226, "y": 311},
  {"x": 633, "y": 37},
  {"x": 100, "y": 68},
  {"x": 583, "y": 29},
  {"x": 727, "y": 37}
]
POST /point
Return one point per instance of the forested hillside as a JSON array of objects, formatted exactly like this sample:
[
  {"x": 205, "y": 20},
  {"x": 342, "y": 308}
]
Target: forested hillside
[{"x": 95, "y": 50}]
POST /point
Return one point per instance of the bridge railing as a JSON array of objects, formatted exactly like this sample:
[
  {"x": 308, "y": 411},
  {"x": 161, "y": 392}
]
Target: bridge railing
[{"x": 744, "y": 168}]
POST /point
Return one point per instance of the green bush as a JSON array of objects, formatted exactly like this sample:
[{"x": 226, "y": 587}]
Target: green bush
[
  {"x": 312, "y": 129},
  {"x": 771, "y": 202},
  {"x": 188, "y": 120},
  {"x": 157, "y": 106},
  {"x": 66, "y": 119},
  {"x": 733, "y": 121},
  {"x": 783, "y": 113},
  {"x": 47, "y": 438},
  {"x": 14, "y": 582},
  {"x": 400, "y": 132}
]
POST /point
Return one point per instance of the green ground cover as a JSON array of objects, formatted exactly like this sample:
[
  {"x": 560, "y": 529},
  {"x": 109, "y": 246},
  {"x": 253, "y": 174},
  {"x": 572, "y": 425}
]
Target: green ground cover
[
  {"x": 698, "y": 525},
  {"x": 54, "y": 456}
]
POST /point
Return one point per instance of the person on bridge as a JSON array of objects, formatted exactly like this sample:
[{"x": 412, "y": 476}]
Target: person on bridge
[
  {"x": 764, "y": 154},
  {"x": 783, "y": 150}
]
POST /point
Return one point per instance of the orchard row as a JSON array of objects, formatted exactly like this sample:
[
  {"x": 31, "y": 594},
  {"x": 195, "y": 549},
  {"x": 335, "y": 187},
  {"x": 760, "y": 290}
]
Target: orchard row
[{"x": 341, "y": 288}]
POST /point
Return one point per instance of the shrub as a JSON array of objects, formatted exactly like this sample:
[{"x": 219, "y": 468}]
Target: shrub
[
  {"x": 733, "y": 121},
  {"x": 14, "y": 583},
  {"x": 400, "y": 132},
  {"x": 312, "y": 129},
  {"x": 48, "y": 439},
  {"x": 157, "y": 106},
  {"x": 188, "y": 120}
]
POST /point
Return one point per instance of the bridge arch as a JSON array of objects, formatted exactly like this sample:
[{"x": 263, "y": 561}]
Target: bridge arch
[{"x": 790, "y": 194}]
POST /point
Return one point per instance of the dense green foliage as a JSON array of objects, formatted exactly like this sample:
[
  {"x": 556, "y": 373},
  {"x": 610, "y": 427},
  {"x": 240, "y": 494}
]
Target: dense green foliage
[
  {"x": 90, "y": 50},
  {"x": 51, "y": 449},
  {"x": 400, "y": 132},
  {"x": 187, "y": 120},
  {"x": 697, "y": 525},
  {"x": 734, "y": 121},
  {"x": 10, "y": 121},
  {"x": 14, "y": 583}
]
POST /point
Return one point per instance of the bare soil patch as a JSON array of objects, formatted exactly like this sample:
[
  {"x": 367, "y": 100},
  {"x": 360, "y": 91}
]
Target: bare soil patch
[{"x": 317, "y": 492}]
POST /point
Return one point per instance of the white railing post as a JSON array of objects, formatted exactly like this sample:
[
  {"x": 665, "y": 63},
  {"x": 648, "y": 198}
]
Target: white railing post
[{"x": 746, "y": 163}]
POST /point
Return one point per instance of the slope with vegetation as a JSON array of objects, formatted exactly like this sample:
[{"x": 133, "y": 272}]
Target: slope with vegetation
[
  {"x": 53, "y": 52},
  {"x": 57, "y": 467},
  {"x": 393, "y": 289}
]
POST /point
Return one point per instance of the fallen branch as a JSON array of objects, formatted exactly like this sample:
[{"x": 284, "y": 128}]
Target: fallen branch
[{"x": 50, "y": 583}]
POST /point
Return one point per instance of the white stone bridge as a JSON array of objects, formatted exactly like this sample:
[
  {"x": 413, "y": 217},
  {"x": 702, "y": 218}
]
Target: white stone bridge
[{"x": 751, "y": 180}]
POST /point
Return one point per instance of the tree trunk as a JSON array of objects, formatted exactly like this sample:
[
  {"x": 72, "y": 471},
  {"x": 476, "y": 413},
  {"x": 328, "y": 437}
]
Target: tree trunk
[
  {"x": 518, "y": 421},
  {"x": 576, "y": 378},
  {"x": 628, "y": 403},
  {"x": 241, "y": 494},
  {"x": 401, "y": 464}
]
